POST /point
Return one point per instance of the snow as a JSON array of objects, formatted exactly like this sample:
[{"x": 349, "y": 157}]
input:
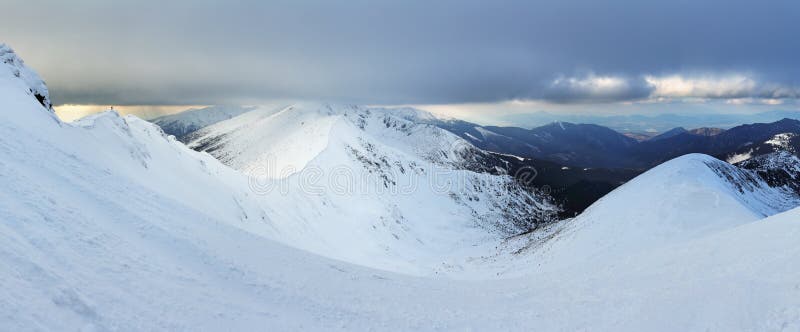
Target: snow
[
  {"x": 778, "y": 160},
  {"x": 261, "y": 141},
  {"x": 486, "y": 133},
  {"x": 781, "y": 141},
  {"x": 13, "y": 65},
  {"x": 412, "y": 114},
  {"x": 472, "y": 137},
  {"x": 686, "y": 198},
  {"x": 509, "y": 155},
  {"x": 193, "y": 119},
  {"x": 109, "y": 224},
  {"x": 394, "y": 194},
  {"x": 739, "y": 157}
]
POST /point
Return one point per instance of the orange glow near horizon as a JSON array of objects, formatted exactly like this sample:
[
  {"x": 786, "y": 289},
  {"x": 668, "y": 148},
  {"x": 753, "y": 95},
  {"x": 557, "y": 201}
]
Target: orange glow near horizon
[{"x": 72, "y": 112}]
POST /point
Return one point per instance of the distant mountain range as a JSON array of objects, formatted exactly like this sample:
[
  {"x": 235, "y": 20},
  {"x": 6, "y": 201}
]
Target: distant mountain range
[
  {"x": 704, "y": 131},
  {"x": 654, "y": 124},
  {"x": 724, "y": 145},
  {"x": 594, "y": 146},
  {"x": 579, "y": 145}
]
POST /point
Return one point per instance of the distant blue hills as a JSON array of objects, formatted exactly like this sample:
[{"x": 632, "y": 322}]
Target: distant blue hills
[{"x": 651, "y": 123}]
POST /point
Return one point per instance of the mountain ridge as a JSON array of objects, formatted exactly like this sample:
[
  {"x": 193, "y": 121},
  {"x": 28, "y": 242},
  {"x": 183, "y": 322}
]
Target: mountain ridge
[{"x": 191, "y": 120}]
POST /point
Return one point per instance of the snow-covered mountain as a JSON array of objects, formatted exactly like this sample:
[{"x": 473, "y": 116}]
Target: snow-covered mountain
[
  {"x": 391, "y": 185},
  {"x": 787, "y": 142},
  {"x": 110, "y": 224},
  {"x": 186, "y": 122},
  {"x": 686, "y": 198},
  {"x": 293, "y": 135}
]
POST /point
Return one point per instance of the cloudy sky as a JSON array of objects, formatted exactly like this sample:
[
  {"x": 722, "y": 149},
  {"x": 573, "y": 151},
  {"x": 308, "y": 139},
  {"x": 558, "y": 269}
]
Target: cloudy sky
[{"x": 483, "y": 56}]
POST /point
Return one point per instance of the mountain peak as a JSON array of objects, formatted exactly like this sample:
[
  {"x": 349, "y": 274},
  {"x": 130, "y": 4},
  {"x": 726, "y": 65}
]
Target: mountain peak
[
  {"x": 15, "y": 67},
  {"x": 669, "y": 133},
  {"x": 665, "y": 205},
  {"x": 788, "y": 121},
  {"x": 414, "y": 114},
  {"x": 561, "y": 125},
  {"x": 706, "y": 131}
]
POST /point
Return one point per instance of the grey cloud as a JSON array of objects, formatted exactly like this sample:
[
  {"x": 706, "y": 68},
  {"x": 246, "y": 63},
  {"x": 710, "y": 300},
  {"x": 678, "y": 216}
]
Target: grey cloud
[
  {"x": 731, "y": 86},
  {"x": 206, "y": 52},
  {"x": 593, "y": 88}
]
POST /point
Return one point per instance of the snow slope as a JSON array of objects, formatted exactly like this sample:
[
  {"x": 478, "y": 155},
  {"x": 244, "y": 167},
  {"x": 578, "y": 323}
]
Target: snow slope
[
  {"x": 289, "y": 137},
  {"x": 97, "y": 254},
  {"x": 373, "y": 188},
  {"x": 278, "y": 137},
  {"x": 188, "y": 121},
  {"x": 25, "y": 77},
  {"x": 687, "y": 198},
  {"x": 108, "y": 224}
]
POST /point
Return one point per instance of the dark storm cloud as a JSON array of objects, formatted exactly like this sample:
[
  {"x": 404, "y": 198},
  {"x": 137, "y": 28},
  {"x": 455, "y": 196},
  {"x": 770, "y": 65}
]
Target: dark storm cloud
[{"x": 204, "y": 52}]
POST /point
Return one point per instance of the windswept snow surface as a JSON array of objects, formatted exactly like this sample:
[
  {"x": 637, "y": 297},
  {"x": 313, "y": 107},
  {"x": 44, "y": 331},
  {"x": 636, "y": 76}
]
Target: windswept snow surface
[
  {"x": 282, "y": 139},
  {"x": 188, "y": 121},
  {"x": 108, "y": 224}
]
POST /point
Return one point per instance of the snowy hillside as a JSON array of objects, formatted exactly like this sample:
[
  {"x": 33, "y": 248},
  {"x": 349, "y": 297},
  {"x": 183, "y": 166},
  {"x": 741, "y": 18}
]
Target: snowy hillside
[
  {"x": 373, "y": 185},
  {"x": 110, "y": 224},
  {"x": 291, "y": 136},
  {"x": 683, "y": 199},
  {"x": 188, "y": 121}
]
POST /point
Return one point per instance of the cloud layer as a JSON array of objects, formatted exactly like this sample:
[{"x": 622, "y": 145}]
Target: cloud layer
[
  {"x": 403, "y": 52},
  {"x": 592, "y": 88},
  {"x": 738, "y": 88}
]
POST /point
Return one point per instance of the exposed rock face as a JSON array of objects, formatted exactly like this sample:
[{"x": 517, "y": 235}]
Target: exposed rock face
[{"x": 778, "y": 169}]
